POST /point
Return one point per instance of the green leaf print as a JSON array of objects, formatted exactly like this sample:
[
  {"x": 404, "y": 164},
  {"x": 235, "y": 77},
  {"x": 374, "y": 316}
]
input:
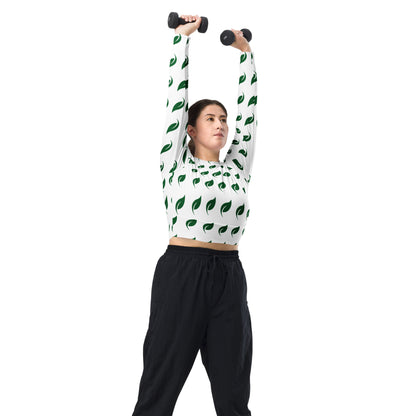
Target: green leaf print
[
  {"x": 181, "y": 178},
  {"x": 249, "y": 120},
  {"x": 208, "y": 226},
  {"x": 225, "y": 207},
  {"x": 190, "y": 223},
  {"x": 166, "y": 202},
  {"x": 170, "y": 81},
  {"x": 177, "y": 39},
  {"x": 243, "y": 57},
  {"x": 210, "y": 204},
  {"x": 179, "y": 204},
  {"x": 163, "y": 183},
  {"x": 173, "y": 127},
  {"x": 185, "y": 62},
  {"x": 235, "y": 141},
  {"x": 166, "y": 147},
  {"x": 175, "y": 164},
  {"x": 178, "y": 105},
  {"x": 183, "y": 84},
  {"x": 253, "y": 100},
  {"x": 174, "y": 219},
  {"x": 173, "y": 61},
  {"x": 196, "y": 204},
  {"x": 239, "y": 117},
  {"x": 235, "y": 230},
  {"x": 216, "y": 173},
  {"x": 240, "y": 99},
  {"x": 243, "y": 152},
  {"x": 247, "y": 213},
  {"x": 223, "y": 229},
  {"x": 209, "y": 183},
  {"x": 254, "y": 78},
  {"x": 247, "y": 138},
  {"x": 242, "y": 78},
  {"x": 235, "y": 187},
  {"x": 239, "y": 211},
  {"x": 222, "y": 185},
  {"x": 196, "y": 180},
  {"x": 237, "y": 163}
]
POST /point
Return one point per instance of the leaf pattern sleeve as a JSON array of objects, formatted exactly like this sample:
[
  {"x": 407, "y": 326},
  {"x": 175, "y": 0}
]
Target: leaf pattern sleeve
[
  {"x": 174, "y": 136},
  {"x": 242, "y": 148}
]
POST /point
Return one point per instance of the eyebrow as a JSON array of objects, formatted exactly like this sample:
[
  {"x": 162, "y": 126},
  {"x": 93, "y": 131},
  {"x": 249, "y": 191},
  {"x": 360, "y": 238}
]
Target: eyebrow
[{"x": 222, "y": 115}]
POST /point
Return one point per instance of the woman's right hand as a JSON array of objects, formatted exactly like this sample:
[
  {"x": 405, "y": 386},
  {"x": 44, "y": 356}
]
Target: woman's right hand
[{"x": 189, "y": 28}]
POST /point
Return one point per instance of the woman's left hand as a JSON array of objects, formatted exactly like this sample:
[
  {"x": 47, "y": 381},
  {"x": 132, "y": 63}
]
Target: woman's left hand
[{"x": 240, "y": 41}]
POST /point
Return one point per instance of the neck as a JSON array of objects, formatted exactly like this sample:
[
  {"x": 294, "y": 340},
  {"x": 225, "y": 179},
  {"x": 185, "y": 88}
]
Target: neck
[{"x": 211, "y": 156}]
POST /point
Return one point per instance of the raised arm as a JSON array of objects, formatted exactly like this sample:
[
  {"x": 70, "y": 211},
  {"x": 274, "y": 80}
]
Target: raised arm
[
  {"x": 242, "y": 148},
  {"x": 174, "y": 135}
]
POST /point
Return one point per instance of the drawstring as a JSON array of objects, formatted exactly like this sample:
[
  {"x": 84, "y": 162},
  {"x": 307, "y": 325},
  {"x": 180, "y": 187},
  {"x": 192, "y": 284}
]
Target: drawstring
[
  {"x": 215, "y": 260},
  {"x": 215, "y": 275}
]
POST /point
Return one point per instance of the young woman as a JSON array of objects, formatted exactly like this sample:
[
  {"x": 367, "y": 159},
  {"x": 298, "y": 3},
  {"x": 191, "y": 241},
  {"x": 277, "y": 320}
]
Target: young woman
[{"x": 199, "y": 288}]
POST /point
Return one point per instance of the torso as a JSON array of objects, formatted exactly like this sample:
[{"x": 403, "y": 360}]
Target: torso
[{"x": 180, "y": 241}]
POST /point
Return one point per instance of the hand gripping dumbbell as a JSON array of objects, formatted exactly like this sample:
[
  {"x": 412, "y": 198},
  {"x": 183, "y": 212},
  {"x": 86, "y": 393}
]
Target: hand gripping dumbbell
[
  {"x": 174, "y": 21},
  {"x": 227, "y": 37}
]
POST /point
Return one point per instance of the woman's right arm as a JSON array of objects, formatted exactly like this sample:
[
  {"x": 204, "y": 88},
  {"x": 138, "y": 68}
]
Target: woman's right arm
[{"x": 174, "y": 136}]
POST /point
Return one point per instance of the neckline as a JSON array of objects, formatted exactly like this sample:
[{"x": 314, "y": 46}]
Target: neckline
[{"x": 208, "y": 161}]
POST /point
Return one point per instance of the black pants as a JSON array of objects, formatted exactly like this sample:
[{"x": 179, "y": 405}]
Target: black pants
[{"x": 198, "y": 302}]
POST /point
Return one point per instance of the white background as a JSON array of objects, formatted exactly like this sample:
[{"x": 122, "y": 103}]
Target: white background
[{"x": 329, "y": 249}]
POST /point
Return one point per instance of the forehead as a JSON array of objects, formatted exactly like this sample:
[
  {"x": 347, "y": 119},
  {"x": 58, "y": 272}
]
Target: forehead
[{"x": 213, "y": 109}]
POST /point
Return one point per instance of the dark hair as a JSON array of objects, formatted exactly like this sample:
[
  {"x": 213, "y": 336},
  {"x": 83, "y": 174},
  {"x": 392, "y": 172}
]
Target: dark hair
[
  {"x": 196, "y": 108},
  {"x": 193, "y": 113}
]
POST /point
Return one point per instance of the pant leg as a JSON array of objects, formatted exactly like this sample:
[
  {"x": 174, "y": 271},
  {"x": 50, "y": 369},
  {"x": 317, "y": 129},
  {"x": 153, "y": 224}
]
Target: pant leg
[
  {"x": 177, "y": 324},
  {"x": 226, "y": 350}
]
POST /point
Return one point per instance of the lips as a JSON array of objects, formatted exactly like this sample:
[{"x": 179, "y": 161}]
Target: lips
[{"x": 219, "y": 134}]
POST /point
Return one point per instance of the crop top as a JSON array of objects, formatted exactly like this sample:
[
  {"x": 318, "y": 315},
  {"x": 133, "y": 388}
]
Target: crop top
[{"x": 207, "y": 200}]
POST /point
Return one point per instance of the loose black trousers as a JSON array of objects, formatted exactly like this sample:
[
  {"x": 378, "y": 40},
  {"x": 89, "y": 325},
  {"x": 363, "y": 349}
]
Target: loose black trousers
[{"x": 198, "y": 302}]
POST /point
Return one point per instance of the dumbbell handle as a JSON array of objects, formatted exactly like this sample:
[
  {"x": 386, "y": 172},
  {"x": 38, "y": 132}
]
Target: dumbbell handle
[{"x": 183, "y": 21}]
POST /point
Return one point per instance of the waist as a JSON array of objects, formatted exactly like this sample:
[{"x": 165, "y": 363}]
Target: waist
[{"x": 192, "y": 250}]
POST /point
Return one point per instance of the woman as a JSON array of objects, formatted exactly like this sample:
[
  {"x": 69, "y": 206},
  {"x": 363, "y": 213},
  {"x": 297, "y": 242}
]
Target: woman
[{"x": 199, "y": 289}]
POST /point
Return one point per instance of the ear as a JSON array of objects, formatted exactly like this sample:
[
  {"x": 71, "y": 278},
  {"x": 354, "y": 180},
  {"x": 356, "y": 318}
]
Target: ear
[{"x": 191, "y": 130}]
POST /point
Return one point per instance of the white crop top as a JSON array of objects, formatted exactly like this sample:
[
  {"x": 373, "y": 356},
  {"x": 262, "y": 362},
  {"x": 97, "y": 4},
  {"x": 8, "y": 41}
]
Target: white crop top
[{"x": 207, "y": 200}]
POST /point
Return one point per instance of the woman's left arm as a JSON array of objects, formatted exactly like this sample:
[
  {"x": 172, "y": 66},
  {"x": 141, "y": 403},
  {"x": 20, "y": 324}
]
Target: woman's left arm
[{"x": 242, "y": 149}]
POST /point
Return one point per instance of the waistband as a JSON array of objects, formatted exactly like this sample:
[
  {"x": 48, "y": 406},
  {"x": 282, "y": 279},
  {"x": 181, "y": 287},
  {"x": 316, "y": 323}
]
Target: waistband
[{"x": 202, "y": 251}]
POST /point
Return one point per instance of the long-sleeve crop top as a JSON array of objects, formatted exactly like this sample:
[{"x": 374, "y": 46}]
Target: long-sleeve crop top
[{"x": 207, "y": 200}]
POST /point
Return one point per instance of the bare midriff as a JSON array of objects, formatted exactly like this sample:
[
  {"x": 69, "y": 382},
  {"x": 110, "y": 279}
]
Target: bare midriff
[{"x": 188, "y": 242}]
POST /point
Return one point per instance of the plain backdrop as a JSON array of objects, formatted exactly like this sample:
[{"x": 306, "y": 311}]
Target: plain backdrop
[{"x": 329, "y": 248}]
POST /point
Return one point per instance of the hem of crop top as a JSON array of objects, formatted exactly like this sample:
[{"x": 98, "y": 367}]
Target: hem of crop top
[{"x": 210, "y": 235}]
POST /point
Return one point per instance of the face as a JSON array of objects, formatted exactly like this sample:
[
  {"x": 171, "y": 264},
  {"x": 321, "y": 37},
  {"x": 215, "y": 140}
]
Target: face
[{"x": 211, "y": 130}]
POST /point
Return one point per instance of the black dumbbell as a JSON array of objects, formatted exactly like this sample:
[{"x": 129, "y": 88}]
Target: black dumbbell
[
  {"x": 174, "y": 21},
  {"x": 228, "y": 37}
]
